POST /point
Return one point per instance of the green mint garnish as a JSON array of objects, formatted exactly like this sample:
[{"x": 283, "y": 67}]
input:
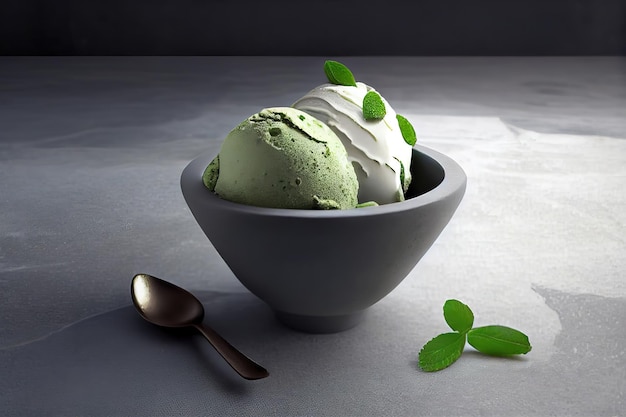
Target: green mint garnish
[
  {"x": 408, "y": 133},
  {"x": 458, "y": 316},
  {"x": 441, "y": 352},
  {"x": 373, "y": 106},
  {"x": 338, "y": 73},
  {"x": 498, "y": 341},
  {"x": 445, "y": 349}
]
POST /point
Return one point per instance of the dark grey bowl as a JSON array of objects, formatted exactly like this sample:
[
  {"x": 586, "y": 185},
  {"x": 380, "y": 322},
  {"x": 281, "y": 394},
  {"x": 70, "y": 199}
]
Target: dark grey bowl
[{"x": 320, "y": 270}]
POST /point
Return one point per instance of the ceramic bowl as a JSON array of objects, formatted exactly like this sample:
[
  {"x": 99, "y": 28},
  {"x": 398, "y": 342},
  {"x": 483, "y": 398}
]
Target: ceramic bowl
[{"x": 320, "y": 270}]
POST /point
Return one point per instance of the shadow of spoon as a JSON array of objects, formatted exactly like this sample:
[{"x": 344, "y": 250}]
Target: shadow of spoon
[{"x": 165, "y": 304}]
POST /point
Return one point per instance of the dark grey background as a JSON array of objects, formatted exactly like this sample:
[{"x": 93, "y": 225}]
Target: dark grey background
[{"x": 321, "y": 27}]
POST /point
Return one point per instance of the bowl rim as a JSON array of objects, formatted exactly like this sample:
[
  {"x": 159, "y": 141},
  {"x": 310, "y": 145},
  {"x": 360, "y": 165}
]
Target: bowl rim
[{"x": 454, "y": 179}]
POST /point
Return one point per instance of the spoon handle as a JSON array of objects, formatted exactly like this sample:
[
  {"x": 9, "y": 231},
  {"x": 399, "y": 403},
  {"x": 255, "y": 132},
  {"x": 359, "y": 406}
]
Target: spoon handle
[{"x": 242, "y": 364}]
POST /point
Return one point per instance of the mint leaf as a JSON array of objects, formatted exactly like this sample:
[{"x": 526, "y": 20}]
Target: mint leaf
[
  {"x": 339, "y": 74},
  {"x": 499, "y": 341},
  {"x": 441, "y": 352},
  {"x": 458, "y": 316},
  {"x": 373, "y": 106},
  {"x": 406, "y": 128}
]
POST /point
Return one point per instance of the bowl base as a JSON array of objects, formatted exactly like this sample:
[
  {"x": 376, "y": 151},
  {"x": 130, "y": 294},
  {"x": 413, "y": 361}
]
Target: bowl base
[{"x": 320, "y": 324}]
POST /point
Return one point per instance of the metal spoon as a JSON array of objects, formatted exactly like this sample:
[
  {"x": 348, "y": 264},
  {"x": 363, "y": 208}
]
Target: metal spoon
[{"x": 164, "y": 304}]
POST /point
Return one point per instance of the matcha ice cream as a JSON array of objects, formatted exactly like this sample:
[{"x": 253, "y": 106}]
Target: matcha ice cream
[{"x": 282, "y": 157}]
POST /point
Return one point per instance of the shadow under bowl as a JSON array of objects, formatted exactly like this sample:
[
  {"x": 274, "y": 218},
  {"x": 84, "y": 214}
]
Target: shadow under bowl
[{"x": 319, "y": 270}]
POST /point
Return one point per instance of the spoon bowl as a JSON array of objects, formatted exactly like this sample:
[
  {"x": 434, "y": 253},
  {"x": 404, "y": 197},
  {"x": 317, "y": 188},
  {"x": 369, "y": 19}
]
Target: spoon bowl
[{"x": 167, "y": 305}]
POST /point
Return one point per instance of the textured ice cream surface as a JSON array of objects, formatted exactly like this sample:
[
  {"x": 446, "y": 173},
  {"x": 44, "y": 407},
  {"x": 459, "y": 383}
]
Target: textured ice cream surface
[
  {"x": 376, "y": 148},
  {"x": 282, "y": 157}
]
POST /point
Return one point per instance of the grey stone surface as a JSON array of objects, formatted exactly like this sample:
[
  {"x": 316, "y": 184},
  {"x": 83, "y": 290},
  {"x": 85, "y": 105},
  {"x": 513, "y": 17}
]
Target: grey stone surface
[{"x": 91, "y": 151}]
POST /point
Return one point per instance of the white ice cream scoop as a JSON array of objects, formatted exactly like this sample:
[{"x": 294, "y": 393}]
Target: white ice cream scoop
[{"x": 376, "y": 148}]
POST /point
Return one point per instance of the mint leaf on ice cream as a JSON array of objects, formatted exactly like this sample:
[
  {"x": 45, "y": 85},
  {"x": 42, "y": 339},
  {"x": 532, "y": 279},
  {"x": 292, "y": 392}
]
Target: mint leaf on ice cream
[
  {"x": 373, "y": 106},
  {"x": 338, "y": 73},
  {"x": 408, "y": 133}
]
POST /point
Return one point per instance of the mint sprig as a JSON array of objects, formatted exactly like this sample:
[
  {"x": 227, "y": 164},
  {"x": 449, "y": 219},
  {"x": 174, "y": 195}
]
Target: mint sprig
[
  {"x": 338, "y": 74},
  {"x": 445, "y": 349},
  {"x": 373, "y": 106}
]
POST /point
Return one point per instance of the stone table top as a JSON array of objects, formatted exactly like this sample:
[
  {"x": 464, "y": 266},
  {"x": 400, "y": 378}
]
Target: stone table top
[{"x": 91, "y": 151}]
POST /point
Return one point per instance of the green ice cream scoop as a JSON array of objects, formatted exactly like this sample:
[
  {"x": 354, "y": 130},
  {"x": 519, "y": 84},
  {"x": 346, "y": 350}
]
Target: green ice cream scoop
[{"x": 282, "y": 157}]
